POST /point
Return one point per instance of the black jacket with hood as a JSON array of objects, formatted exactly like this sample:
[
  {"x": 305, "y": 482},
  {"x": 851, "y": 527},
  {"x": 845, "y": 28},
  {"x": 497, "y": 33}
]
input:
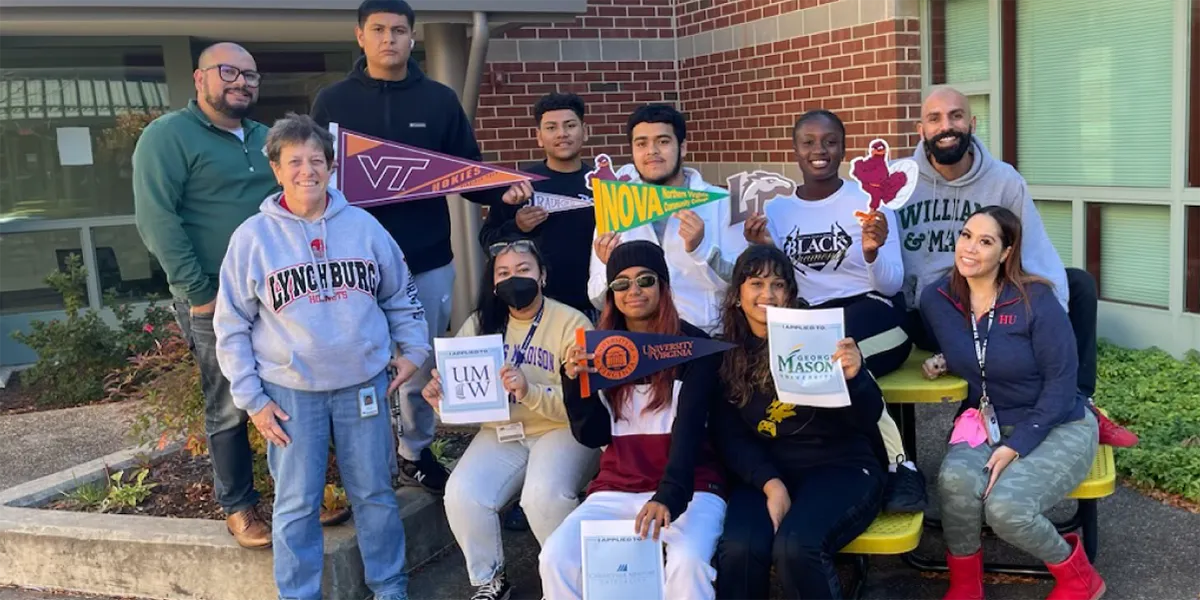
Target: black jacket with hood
[{"x": 416, "y": 111}]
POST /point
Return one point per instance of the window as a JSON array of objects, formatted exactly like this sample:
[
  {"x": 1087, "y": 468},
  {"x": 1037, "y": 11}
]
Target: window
[
  {"x": 125, "y": 267},
  {"x": 1093, "y": 92},
  {"x": 982, "y": 111},
  {"x": 1127, "y": 247},
  {"x": 69, "y": 118},
  {"x": 1191, "y": 300},
  {"x": 25, "y": 260},
  {"x": 967, "y": 56},
  {"x": 1056, "y": 218}
]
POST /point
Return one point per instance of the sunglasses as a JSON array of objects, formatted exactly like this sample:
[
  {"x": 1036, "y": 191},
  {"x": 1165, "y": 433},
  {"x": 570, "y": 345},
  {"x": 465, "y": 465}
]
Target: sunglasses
[
  {"x": 229, "y": 74},
  {"x": 643, "y": 281},
  {"x": 498, "y": 248}
]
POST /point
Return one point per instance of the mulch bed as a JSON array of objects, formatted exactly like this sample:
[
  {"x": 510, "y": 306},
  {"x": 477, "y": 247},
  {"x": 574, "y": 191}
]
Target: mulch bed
[
  {"x": 185, "y": 483},
  {"x": 16, "y": 398}
]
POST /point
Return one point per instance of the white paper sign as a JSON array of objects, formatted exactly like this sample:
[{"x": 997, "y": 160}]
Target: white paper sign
[
  {"x": 802, "y": 343},
  {"x": 74, "y": 146},
  {"x": 618, "y": 565},
  {"x": 557, "y": 203},
  {"x": 470, "y": 371}
]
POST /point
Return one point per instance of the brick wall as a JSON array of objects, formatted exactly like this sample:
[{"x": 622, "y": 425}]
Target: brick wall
[
  {"x": 749, "y": 68},
  {"x": 742, "y": 70},
  {"x": 621, "y": 54}
]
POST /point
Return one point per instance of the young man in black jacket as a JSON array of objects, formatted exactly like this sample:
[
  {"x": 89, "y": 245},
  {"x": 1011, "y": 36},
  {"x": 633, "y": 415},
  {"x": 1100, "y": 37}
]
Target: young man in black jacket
[
  {"x": 387, "y": 96},
  {"x": 564, "y": 238}
]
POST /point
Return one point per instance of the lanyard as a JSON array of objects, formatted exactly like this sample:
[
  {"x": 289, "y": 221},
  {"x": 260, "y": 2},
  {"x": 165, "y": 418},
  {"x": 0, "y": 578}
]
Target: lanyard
[
  {"x": 981, "y": 351},
  {"x": 519, "y": 353}
]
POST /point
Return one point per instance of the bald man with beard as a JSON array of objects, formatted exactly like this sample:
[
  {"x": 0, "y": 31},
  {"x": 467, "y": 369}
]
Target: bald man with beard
[
  {"x": 198, "y": 173},
  {"x": 959, "y": 176}
]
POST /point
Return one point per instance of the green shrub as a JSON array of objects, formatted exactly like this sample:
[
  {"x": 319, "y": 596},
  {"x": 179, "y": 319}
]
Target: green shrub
[
  {"x": 75, "y": 355},
  {"x": 1158, "y": 397}
]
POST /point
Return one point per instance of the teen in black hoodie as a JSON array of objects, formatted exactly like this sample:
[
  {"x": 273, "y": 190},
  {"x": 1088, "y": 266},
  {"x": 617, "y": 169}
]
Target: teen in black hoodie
[{"x": 387, "y": 96}]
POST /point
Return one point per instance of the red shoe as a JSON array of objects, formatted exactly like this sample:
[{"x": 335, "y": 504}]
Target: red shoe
[
  {"x": 1112, "y": 434},
  {"x": 1075, "y": 578},
  {"x": 966, "y": 576}
]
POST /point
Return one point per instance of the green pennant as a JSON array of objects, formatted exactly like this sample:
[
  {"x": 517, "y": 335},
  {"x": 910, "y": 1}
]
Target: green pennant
[{"x": 621, "y": 205}]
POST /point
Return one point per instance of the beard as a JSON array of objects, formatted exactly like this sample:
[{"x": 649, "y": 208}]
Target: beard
[
  {"x": 234, "y": 112},
  {"x": 668, "y": 177},
  {"x": 953, "y": 154}
]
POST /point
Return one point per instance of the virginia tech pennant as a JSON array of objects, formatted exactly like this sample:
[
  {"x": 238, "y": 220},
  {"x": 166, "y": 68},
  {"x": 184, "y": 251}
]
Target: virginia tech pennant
[{"x": 372, "y": 171}]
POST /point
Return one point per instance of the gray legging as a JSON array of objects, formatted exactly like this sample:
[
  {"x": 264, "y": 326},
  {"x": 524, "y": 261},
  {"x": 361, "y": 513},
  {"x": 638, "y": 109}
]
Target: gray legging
[{"x": 1027, "y": 488}]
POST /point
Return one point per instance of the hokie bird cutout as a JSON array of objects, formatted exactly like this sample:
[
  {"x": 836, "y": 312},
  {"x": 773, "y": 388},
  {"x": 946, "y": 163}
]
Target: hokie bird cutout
[
  {"x": 888, "y": 184},
  {"x": 604, "y": 171}
]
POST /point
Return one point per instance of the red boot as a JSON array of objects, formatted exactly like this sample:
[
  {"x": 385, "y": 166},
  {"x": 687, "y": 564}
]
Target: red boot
[
  {"x": 1075, "y": 578},
  {"x": 1112, "y": 434},
  {"x": 966, "y": 576}
]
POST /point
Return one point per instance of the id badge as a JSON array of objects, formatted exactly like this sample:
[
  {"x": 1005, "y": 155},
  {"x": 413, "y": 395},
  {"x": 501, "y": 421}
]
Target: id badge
[
  {"x": 991, "y": 426},
  {"x": 367, "y": 403},
  {"x": 513, "y": 432}
]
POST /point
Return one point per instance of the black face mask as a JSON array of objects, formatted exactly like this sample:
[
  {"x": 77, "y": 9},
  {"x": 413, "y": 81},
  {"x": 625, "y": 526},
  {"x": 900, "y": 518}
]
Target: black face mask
[
  {"x": 953, "y": 154},
  {"x": 518, "y": 292}
]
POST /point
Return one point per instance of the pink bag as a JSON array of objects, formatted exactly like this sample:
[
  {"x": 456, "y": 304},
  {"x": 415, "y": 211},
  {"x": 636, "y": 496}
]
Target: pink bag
[{"x": 968, "y": 428}]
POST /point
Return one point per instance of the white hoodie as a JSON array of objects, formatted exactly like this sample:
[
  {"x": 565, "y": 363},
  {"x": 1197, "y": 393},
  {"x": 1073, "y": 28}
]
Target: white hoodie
[
  {"x": 313, "y": 306},
  {"x": 696, "y": 287}
]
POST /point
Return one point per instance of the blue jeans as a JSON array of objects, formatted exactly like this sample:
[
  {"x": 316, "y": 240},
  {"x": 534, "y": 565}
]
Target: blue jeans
[
  {"x": 435, "y": 290},
  {"x": 364, "y": 450},
  {"x": 224, "y": 424}
]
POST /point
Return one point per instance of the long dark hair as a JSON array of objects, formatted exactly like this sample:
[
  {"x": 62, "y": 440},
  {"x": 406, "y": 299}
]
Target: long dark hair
[
  {"x": 492, "y": 312},
  {"x": 666, "y": 321},
  {"x": 747, "y": 367},
  {"x": 1010, "y": 271}
]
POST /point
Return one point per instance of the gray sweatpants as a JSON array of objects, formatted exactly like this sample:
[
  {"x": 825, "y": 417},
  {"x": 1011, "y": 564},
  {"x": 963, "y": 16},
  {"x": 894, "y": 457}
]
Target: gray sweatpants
[{"x": 1026, "y": 489}]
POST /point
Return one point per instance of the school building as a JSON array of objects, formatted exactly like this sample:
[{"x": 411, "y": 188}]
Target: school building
[{"x": 1096, "y": 103}]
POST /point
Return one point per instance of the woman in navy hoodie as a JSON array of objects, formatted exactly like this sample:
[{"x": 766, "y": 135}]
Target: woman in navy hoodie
[{"x": 1022, "y": 439}]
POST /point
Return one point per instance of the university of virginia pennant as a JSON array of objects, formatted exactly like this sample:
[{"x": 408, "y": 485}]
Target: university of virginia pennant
[
  {"x": 622, "y": 356},
  {"x": 372, "y": 171},
  {"x": 621, "y": 205}
]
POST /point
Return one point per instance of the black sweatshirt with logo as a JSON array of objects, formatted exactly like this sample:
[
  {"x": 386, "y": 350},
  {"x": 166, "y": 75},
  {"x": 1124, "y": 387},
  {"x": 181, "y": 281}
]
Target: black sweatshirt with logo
[
  {"x": 766, "y": 438},
  {"x": 419, "y": 112},
  {"x": 564, "y": 238}
]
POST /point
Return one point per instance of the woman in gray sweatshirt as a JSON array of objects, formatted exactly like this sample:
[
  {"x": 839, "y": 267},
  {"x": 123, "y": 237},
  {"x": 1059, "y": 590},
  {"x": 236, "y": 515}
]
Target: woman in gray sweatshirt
[{"x": 314, "y": 301}]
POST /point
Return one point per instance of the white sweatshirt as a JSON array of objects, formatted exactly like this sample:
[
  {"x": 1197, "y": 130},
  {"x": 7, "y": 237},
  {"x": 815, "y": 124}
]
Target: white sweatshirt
[
  {"x": 697, "y": 289},
  {"x": 823, "y": 239}
]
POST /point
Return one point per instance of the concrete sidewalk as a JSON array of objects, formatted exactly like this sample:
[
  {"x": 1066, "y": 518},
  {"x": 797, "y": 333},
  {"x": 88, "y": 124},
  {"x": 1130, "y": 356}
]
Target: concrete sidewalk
[{"x": 36, "y": 444}]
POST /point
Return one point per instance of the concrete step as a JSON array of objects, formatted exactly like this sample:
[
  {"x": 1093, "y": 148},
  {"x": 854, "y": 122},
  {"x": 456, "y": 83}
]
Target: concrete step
[{"x": 185, "y": 559}]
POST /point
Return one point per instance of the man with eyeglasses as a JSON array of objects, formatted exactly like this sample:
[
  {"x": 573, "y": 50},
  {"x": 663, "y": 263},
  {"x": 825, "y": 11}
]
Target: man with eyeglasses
[
  {"x": 198, "y": 173},
  {"x": 387, "y": 96}
]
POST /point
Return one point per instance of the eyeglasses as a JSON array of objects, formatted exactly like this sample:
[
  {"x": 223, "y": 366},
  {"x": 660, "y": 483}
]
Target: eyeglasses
[
  {"x": 229, "y": 74},
  {"x": 526, "y": 246},
  {"x": 643, "y": 281}
]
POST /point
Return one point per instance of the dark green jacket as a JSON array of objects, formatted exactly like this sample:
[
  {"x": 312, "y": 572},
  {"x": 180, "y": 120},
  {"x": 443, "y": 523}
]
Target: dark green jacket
[{"x": 193, "y": 184}]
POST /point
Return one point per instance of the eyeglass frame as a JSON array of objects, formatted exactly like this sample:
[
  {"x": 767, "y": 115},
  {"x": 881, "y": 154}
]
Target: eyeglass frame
[
  {"x": 631, "y": 281},
  {"x": 522, "y": 245},
  {"x": 239, "y": 73}
]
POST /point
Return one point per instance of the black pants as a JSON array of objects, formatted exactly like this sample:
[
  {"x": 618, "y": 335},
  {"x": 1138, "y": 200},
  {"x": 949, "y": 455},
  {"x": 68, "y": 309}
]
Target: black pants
[
  {"x": 877, "y": 324},
  {"x": 226, "y": 425},
  {"x": 1081, "y": 309},
  {"x": 831, "y": 506}
]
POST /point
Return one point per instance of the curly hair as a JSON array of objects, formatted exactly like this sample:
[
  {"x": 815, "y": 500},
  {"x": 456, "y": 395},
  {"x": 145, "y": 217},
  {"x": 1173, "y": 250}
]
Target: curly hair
[{"x": 747, "y": 368}]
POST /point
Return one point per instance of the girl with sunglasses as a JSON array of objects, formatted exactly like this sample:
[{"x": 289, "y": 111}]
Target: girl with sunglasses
[
  {"x": 657, "y": 467},
  {"x": 534, "y": 453}
]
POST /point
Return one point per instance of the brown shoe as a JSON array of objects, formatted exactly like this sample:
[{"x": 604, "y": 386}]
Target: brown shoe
[
  {"x": 336, "y": 516},
  {"x": 249, "y": 528}
]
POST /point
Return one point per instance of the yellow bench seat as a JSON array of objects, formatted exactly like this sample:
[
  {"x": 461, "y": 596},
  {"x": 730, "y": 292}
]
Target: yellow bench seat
[
  {"x": 1101, "y": 480},
  {"x": 907, "y": 385},
  {"x": 889, "y": 534}
]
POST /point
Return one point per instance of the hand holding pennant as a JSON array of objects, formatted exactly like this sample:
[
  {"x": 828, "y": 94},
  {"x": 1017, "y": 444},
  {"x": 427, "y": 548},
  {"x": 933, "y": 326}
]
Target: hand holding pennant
[
  {"x": 610, "y": 358},
  {"x": 622, "y": 205}
]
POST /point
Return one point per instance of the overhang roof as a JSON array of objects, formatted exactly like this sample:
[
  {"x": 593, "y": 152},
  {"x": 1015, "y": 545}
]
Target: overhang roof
[{"x": 251, "y": 20}]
